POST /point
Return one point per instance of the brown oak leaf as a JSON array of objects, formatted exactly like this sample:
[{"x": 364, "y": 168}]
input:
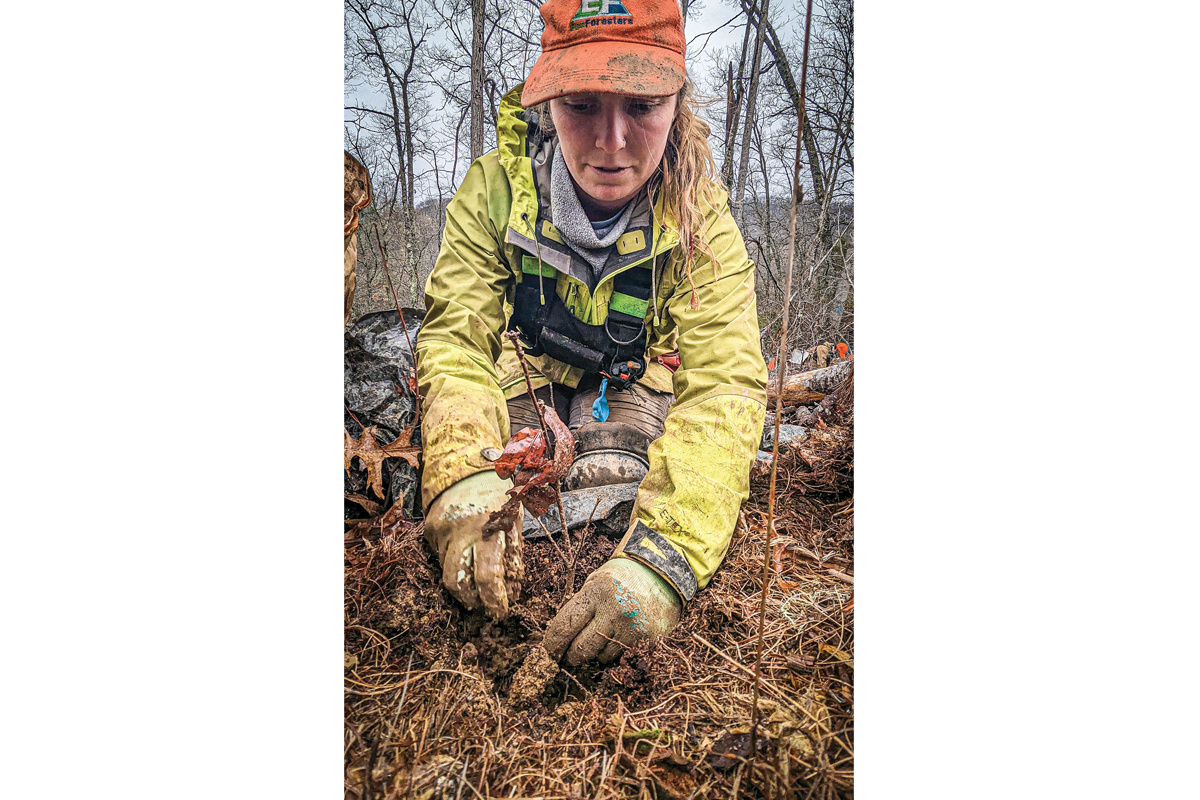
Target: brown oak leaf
[{"x": 367, "y": 450}]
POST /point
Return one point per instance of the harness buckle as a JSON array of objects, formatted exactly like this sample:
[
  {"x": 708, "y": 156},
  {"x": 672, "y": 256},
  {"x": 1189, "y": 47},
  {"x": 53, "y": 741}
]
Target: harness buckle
[
  {"x": 624, "y": 373},
  {"x": 641, "y": 330}
]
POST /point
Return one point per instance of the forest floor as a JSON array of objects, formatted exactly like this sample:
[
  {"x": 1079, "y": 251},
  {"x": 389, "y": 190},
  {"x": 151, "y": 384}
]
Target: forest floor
[{"x": 441, "y": 702}]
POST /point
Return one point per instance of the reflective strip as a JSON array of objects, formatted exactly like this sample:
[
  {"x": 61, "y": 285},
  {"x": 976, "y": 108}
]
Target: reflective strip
[
  {"x": 550, "y": 255},
  {"x": 665, "y": 559},
  {"x": 628, "y": 305},
  {"x": 529, "y": 265}
]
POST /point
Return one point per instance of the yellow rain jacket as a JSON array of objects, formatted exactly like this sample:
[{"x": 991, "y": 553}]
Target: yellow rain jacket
[{"x": 687, "y": 504}]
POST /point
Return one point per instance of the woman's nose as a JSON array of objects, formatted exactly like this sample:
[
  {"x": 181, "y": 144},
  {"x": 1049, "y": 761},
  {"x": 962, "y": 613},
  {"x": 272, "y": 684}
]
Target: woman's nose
[{"x": 613, "y": 127}]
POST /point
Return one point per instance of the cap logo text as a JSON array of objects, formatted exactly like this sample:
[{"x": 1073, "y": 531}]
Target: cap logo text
[{"x": 601, "y": 12}]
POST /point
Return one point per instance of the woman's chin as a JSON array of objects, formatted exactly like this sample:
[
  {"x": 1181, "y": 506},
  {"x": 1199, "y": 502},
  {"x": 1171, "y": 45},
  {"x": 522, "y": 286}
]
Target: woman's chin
[{"x": 607, "y": 193}]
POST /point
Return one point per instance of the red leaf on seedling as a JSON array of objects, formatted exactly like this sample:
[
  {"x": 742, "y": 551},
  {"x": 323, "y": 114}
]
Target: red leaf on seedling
[
  {"x": 534, "y": 475},
  {"x": 537, "y": 499},
  {"x": 525, "y": 451}
]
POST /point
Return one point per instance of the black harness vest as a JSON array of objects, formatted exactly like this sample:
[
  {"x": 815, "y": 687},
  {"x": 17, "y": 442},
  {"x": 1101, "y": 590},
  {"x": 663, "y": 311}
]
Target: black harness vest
[{"x": 616, "y": 349}]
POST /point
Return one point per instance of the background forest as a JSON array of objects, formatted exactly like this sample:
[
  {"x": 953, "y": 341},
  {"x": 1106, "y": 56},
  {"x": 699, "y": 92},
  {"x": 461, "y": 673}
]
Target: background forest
[{"x": 423, "y": 81}]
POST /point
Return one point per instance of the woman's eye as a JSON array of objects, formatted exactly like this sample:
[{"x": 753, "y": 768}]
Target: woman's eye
[{"x": 644, "y": 108}]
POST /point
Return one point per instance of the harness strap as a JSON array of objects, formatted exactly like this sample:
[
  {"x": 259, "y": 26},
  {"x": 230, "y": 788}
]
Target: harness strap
[{"x": 615, "y": 349}]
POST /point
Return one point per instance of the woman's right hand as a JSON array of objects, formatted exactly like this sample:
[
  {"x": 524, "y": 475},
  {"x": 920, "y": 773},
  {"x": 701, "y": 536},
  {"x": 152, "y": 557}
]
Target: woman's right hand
[{"x": 480, "y": 573}]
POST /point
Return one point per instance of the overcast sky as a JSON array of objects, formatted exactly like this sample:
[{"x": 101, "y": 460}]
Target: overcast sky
[{"x": 714, "y": 17}]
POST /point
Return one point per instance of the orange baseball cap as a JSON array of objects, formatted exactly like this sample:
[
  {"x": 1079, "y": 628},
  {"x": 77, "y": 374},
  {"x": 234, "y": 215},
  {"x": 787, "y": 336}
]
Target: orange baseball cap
[{"x": 620, "y": 46}]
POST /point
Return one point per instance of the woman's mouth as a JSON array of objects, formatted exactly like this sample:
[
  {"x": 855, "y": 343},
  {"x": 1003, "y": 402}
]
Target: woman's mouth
[{"x": 608, "y": 170}]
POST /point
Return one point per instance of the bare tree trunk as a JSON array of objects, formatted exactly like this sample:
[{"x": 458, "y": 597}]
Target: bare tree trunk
[
  {"x": 410, "y": 216},
  {"x": 845, "y": 276},
  {"x": 771, "y": 257},
  {"x": 732, "y": 115},
  {"x": 389, "y": 75},
  {"x": 476, "y": 79},
  {"x": 815, "y": 167},
  {"x": 403, "y": 189},
  {"x": 744, "y": 166},
  {"x": 726, "y": 161}
]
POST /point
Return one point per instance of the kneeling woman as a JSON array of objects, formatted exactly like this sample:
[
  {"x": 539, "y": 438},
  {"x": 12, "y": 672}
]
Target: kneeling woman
[{"x": 597, "y": 229}]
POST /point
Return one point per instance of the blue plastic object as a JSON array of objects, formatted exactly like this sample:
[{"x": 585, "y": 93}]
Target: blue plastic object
[{"x": 600, "y": 407}]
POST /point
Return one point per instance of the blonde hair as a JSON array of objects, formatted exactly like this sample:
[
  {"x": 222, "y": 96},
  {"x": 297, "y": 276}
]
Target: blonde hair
[{"x": 687, "y": 174}]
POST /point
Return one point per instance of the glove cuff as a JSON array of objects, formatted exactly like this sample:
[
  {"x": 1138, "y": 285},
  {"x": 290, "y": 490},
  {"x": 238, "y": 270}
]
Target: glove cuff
[
  {"x": 482, "y": 488},
  {"x": 645, "y": 578},
  {"x": 653, "y": 550}
]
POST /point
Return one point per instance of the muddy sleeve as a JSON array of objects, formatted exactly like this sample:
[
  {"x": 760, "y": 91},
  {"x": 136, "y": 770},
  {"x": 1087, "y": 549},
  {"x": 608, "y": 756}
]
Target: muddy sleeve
[
  {"x": 687, "y": 505},
  {"x": 459, "y": 342}
]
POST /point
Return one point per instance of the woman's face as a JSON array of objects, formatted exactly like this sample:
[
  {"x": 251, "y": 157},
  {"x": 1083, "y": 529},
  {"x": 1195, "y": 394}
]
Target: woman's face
[{"x": 612, "y": 144}]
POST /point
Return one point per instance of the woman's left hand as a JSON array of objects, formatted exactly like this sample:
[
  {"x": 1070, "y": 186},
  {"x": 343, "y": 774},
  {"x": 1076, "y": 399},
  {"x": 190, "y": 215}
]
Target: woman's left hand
[{"x": 620, "y": 604}]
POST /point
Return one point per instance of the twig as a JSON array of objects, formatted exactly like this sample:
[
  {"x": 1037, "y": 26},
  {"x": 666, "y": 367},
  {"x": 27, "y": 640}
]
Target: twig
[
  {"x": 581, "y": 687},
  {"x": 841, "y": 576},
  {"x": 538, "y": 405},
  {"x": 578, "y": 549},
  {"x": 353, "y": 417},
  {"x": 783, "y": 341},
  {"x": 514, "y": 337},
  {"x": 412, "y": 351},
  {"x": 546, "y": 530}
]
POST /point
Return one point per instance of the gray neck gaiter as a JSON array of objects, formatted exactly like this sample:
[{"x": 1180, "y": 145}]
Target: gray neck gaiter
[{"x": 567, "y": 214}]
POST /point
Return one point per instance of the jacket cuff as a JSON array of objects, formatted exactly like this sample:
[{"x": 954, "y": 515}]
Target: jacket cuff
[{"x": 652, "y": 549}]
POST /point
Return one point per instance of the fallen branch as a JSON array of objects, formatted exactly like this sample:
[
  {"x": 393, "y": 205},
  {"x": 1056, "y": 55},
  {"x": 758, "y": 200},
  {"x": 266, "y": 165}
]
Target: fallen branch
[{"x": 810, "y": 387}]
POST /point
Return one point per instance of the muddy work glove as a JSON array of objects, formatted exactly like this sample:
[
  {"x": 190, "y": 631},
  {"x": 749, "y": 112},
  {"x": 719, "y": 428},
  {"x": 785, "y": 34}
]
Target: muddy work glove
[
  {"x": 480, "y": 573},
  {"x": 620, "y": 604}
]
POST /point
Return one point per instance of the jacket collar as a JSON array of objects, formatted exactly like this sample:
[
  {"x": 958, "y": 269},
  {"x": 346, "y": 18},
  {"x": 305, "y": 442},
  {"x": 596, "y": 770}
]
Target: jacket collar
[{"x": 526, "y": 157}]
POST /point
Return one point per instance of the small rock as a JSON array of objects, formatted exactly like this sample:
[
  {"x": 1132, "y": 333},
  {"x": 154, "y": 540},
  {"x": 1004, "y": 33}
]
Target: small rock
[{"x": 788, "y": 434}]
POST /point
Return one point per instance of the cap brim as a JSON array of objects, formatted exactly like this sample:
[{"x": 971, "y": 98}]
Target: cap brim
[{"x": 615, "y": 67}]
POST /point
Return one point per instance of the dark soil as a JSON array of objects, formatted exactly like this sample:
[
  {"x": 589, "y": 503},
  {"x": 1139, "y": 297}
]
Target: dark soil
[{"x": 435, "y": 693}]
